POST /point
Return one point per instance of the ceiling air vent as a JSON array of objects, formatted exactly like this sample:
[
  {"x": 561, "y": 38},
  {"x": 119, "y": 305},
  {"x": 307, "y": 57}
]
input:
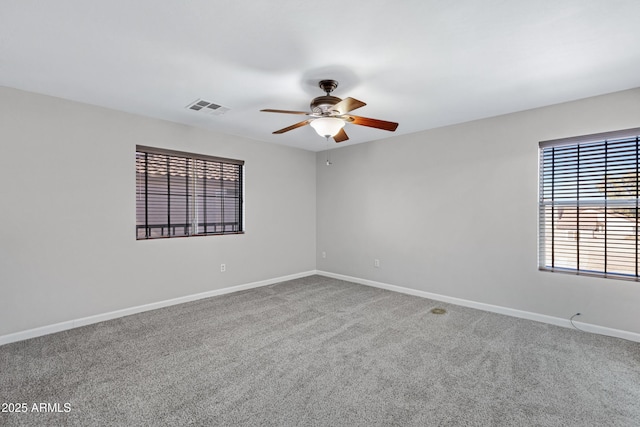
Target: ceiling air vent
[{"x": 207, "y": 107}]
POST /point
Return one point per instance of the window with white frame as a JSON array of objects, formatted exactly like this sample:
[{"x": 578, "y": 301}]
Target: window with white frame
[
  {"x": 589, "y": 205},
  {"x": 184, "y": 194}
]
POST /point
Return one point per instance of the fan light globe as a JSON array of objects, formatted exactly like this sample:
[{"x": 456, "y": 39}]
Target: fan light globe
[{"x": 327, "y": 126}]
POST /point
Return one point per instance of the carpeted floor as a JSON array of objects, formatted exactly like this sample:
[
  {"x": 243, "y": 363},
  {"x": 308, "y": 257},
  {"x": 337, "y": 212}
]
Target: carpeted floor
[{"x": 319, "y": 351}]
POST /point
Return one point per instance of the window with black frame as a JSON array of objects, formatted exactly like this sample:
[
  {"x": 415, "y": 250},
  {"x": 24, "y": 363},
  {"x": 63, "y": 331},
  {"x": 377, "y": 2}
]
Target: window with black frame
[
  {"x": 184, "y": 194},
  {"x": 589, "y": 205}
]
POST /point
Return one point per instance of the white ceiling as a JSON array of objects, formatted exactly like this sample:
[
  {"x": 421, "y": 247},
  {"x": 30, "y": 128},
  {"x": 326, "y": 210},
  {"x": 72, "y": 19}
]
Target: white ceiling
[{"x": 422, "y": 63}]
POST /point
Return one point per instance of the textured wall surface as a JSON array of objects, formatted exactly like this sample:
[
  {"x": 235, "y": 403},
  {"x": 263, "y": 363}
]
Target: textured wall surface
[
  {"x": 453, "y": 211},
  {"x": 67, "y": 240}
]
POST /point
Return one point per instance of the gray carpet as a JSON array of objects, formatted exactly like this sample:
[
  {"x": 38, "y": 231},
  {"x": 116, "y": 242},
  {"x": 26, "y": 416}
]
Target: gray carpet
[{"x": 319, "y": 351}]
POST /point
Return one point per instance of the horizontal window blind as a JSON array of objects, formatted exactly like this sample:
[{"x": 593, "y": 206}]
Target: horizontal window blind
[
  {"x": 588, "y": 207},
  {"x": 183, "y": 194}
]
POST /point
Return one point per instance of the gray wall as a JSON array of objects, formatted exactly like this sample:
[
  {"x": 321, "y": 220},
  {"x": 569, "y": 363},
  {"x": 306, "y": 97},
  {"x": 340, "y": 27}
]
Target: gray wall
[
  {"x": 67, "y": 239},
  {"x": 453, "y": 211}
]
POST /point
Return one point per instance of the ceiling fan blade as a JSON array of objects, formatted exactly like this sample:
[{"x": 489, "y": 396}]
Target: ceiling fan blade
[
  {"x": 292, "y": 127},
  {"x": 347, "y": 104},
  {"x": 340, "y": 136},
  {"x": 269, "y": 110},
  {"x": 373, "y": 123}
]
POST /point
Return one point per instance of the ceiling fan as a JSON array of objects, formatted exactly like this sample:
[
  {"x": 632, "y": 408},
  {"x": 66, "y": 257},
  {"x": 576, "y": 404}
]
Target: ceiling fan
[{"x": 329, "y": 114}]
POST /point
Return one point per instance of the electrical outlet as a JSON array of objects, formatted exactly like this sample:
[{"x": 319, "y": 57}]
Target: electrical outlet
[
  {"x": 223, "y": 268},
  {"x": 376, "y": 263},
  {"x": 324, "y": 254}
]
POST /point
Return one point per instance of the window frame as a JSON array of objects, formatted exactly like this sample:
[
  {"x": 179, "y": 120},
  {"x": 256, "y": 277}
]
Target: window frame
[
  {"x": 605, "y": 203},
  {"x": 194, "y": 165}
]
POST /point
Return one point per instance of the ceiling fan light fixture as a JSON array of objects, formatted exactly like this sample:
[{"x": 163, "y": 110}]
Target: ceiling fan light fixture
[
  {"x": 327, "y": 126},
  {"x": 329, "y": 115}
]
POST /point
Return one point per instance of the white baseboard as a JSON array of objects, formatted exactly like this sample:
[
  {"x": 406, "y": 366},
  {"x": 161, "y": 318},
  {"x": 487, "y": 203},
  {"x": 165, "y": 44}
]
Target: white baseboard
[
  {"x": 75, "y": 323},
  {"x": 70, "y": 324},
  {"x": 586, "y": 327}
]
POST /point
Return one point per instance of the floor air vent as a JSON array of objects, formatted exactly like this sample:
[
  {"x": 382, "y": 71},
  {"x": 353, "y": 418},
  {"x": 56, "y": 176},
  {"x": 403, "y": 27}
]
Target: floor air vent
[{"x": 207, "y": 107}]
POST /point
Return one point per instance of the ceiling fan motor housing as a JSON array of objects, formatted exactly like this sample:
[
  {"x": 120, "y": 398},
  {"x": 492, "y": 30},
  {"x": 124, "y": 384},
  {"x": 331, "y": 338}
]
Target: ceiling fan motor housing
[{"x": 323, "y": 104}]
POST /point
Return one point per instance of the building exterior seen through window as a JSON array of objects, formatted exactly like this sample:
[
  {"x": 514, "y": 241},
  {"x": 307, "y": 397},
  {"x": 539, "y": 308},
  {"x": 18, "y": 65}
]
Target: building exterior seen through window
[{"x": 589, "y": 205}]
